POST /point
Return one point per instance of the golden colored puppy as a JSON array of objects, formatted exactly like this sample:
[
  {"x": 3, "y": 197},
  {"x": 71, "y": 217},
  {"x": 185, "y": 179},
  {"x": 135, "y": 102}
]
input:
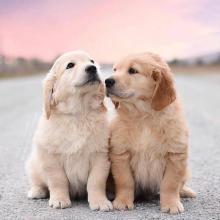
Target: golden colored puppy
[
  {"x": 70, "y": 145},
  {"x": 149, "y": 136}
]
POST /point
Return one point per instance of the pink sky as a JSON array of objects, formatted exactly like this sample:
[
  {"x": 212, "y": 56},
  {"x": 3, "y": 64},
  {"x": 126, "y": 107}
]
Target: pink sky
[{"x": 108, "y": 29}]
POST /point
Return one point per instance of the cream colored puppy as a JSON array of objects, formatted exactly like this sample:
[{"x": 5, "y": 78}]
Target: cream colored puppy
[
  {"x": 70, "y": 145},
  {"x": 149, "y": 139}
]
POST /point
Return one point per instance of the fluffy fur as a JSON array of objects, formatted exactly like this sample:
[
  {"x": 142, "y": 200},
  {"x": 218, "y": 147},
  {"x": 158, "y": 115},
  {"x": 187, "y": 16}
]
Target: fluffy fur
[
  {"x": 70, "y": 145},
  {"x": 149, "y": 136}
]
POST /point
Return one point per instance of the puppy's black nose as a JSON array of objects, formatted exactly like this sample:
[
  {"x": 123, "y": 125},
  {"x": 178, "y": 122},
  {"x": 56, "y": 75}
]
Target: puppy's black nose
[
  {"x": 91, "y": 70},
  {"x": 109, "y": 82}
]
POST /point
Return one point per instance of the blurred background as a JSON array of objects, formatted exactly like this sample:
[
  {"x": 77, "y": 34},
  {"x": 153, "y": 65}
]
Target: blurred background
[{"x": 33, "y": 33}]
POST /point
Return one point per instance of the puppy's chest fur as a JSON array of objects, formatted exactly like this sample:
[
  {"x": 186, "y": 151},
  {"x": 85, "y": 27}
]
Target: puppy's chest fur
[
  {"x": 77, "y": 167},
  {"x": 147, "y": 160},
  {"x": 147, "y": 153},
  {"x": 86, "y": 139},
  {"x": 75, "y": 135}
]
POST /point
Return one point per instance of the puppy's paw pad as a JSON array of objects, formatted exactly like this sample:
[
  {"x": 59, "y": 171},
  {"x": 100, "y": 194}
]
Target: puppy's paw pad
[
  {"x": 174, "y": 208},
  {"x": 37, "y": 193},
  {"x": 59, "y": 203},
  {"x": 123, "y": 205},
  {"x": 103, "y": 205}
]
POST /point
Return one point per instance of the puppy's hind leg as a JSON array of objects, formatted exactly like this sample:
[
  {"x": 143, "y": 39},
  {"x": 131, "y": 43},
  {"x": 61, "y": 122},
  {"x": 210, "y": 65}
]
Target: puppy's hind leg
[
  {"x": 187, "y": 192},
  {"x": 37, "y": 192},
  {"x": 38, "y": 187}
]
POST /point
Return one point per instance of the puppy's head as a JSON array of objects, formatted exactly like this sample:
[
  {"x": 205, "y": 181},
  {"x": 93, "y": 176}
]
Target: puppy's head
[
  {"x": 73, "y": 74},
  {"x": 142, "y": 77}
]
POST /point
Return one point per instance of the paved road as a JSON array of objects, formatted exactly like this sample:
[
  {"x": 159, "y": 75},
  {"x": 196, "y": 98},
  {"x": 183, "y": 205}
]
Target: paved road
[{"x": 20, "y": 106}]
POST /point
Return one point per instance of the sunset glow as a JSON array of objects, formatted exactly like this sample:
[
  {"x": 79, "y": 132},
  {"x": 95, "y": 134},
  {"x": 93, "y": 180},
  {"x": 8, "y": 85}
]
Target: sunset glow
[{"x": 109, "y": 30}]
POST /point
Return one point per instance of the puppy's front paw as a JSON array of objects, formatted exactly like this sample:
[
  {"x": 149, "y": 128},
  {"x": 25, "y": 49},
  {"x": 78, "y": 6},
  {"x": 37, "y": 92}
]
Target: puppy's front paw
[
  {"x": 37, "y": 193},
  {"x": 123, "y": 204},
  {"x": 172, "y": 207},
  {"x": 59, "y": 203},
  {"x": 100, "y": 204}
]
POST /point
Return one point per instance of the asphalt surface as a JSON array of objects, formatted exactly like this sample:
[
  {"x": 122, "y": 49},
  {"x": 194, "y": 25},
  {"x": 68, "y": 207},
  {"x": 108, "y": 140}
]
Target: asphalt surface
[{"x": 20, "y": 107}]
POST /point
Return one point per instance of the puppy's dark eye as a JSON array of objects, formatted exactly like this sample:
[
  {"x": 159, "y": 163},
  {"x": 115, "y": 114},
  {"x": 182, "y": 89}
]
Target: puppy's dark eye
[
  {"x": 114, "y": 69},
  {"x": 132, "y": 71},
  {"x": 70, "y": 65},
  {"x": 92, "y": 61}
]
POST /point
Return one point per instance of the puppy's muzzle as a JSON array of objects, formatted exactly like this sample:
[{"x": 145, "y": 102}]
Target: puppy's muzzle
[{"x": 111, "y": 89}]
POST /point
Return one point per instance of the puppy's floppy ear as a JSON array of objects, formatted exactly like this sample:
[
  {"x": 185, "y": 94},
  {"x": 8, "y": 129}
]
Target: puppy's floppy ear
[
  {"x": 49, "y": 100},
  {"x": 164, "y": 93}
]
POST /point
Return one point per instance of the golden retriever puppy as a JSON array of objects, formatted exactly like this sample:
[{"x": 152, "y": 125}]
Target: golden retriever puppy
[
  {"x": 149, "y": 136},
  {"x": 70, "y": 145}
]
